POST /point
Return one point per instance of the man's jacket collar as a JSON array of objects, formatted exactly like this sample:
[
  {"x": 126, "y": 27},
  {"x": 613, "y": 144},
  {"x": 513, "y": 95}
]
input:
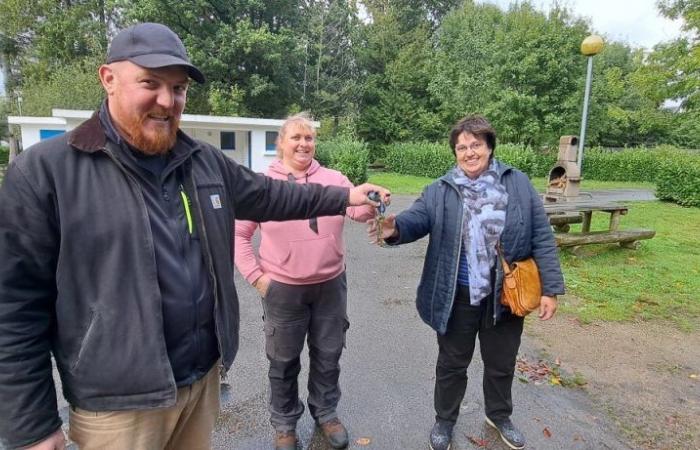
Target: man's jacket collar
[{"x": 88, "y": 136}]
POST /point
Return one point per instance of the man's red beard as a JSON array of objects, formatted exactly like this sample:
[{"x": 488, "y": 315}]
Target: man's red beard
[{"x": 151, "y": 142}]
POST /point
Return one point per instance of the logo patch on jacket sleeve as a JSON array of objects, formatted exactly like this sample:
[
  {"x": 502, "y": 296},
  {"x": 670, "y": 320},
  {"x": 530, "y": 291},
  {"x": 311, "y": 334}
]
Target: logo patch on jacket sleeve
[{"x": 215, "y": 201}]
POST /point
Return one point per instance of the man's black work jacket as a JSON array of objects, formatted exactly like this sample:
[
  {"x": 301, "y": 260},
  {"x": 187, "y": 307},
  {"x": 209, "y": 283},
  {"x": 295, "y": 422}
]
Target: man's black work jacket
[{"x": 78, "y": 274}]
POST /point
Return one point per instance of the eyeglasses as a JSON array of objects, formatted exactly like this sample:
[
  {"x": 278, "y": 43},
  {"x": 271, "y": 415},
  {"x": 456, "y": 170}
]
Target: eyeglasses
[{"x": 474, "y": 146}]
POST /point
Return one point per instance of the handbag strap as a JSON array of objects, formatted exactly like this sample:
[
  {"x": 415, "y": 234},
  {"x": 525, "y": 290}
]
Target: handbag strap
[{"x": 504, "y": 263}]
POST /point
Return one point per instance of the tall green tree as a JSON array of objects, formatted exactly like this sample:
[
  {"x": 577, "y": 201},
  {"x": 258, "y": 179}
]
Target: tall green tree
[
  {"x": 520, "y": 67},
  {"x": 331, "y": 88},
  {"x": 247, "y": 49},
  {"x": 42, "y": 39},
  {"x": 396, "y": 58}
]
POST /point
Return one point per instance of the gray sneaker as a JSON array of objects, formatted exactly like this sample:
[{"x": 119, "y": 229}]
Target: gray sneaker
[
  {"x": 509, "y": 434},
  {"x": 441, "y": 435}
]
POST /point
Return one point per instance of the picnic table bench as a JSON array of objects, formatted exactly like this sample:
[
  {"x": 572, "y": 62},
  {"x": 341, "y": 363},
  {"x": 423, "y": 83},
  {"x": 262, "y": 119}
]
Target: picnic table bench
[{"x": 562, "y": 214}]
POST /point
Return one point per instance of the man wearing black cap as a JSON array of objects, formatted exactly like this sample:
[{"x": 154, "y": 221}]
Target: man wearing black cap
[{"x": 117, "y": 257}]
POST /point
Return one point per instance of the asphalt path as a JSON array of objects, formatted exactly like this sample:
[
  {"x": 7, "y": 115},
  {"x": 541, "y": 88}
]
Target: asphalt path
[{"x": 387, "y": 375}]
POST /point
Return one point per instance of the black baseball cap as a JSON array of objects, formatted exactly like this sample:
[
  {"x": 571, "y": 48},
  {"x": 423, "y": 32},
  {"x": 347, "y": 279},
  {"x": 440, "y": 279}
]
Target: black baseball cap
[{"x": 151, "y": 45}]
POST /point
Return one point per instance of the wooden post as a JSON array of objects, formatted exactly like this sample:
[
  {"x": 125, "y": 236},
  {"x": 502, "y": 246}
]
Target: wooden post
[
  {"x": 586, "y": 225},
  {"x": 614, "y": 220}
]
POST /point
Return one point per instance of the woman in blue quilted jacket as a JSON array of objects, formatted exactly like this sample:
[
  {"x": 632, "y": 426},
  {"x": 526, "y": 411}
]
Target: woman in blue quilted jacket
[{"x": 476, "y": 204}]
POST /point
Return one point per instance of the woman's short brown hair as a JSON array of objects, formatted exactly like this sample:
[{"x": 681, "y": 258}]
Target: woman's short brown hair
[{"x": 476, "y": 125}]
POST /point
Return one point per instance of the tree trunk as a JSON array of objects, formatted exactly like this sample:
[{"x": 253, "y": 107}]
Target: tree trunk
[{"x": 14, "y": 148}]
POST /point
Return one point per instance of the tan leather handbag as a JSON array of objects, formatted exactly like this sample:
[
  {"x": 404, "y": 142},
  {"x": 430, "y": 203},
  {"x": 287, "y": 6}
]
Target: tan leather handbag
[{"x": 522, "y": 288}]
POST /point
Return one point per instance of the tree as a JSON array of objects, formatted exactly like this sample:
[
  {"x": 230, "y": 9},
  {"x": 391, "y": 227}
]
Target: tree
[
  {"x": 396, "y": 60},
  {"x": 247, "y": 49},
  {"x": 521, "y": 68},
  {"x": 52, "y": 50},
  {"x": 331, "y": 86}
]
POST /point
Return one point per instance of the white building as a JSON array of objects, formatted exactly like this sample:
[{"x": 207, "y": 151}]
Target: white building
[{"x": 248, "y": 141}]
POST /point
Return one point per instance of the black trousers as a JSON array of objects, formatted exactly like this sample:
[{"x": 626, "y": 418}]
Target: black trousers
[
  {"x": 294, "y": 313},
  {"x": 499, "y": 348}
]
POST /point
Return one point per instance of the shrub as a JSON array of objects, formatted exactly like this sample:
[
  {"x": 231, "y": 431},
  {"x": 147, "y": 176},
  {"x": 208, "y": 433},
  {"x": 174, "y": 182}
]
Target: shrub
[
  {"x": 638, "y": 164},
  {"x": 419, "y": 158},
  {"x": 433, "y": 160},
  {"x": 676, "y": 172},
  {"x": 678, "y": 180},
  {"x": 348, "y": 156},
  {"x": 531, "y": 162},
  {"x": 4, "y": 155}
]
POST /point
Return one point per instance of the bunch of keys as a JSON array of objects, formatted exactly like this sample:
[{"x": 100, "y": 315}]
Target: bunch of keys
[{"x": 380, "y": 210}]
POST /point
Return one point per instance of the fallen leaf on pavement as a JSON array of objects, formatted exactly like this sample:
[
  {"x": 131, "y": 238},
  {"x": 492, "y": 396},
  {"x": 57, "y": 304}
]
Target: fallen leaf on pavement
[
  {"x": 547, "y": 433},
  {"x": 694, "y": 376},
  {"x": 477, "y": 441},
  {"x": 363, "y": 441}
]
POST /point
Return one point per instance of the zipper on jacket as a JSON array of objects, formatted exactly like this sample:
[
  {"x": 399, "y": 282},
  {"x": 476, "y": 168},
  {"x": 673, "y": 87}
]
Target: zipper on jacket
[
  {"x": 139, "y": 194},
  {"x": 459, "y": 242},
  {"x": 212, "y": 276},
  {"x": 498, "y": 262}
]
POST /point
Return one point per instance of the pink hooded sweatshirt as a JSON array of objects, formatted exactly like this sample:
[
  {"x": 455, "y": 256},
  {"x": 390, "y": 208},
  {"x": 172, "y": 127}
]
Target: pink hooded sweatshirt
[{"x": 290, "y": 251}]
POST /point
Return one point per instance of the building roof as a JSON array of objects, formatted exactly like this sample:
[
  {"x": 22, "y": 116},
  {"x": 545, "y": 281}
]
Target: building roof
[{"x": 59, "y": 117}]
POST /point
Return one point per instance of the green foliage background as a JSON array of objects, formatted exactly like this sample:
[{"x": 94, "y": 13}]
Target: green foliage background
[
  {"x": 345, "y": 155},
  {"x": 400, "y": 71}
]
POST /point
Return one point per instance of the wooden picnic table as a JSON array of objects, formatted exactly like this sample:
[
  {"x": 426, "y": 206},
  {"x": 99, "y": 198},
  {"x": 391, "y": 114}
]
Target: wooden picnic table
[{"x": 563, "y": 213}]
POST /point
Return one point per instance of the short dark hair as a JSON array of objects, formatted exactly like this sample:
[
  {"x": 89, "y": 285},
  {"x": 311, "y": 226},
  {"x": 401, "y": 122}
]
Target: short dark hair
[{"x": 476, "y": 125}]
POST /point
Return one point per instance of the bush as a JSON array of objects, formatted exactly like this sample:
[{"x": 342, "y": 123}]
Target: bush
[
  {"x": 531, "y": 162},
  {"x": 434, "y": 160},
  {"x": 423, "y": 159},
  {"x": 348, "y": 156},
  {"x": 638, "y": 164},
  {"x": 4, "y": 155},
  {"x": 678, "y": 180},
  {"x": 676, "y": 172}
]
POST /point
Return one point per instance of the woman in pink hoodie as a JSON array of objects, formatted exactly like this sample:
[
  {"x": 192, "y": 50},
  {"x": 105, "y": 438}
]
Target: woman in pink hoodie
[{"x": 300, "y": 273}]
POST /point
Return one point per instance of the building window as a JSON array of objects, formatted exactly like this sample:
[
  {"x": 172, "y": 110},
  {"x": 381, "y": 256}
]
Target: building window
[
  {"x": 228, "y": 140},
  {"x": 270, "y": 141},
  {"x": 46, "y": 134}
]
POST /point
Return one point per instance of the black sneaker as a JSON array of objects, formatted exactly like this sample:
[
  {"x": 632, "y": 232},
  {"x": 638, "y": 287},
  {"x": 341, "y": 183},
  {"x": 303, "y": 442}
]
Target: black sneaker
[
  {"x": 509, "y": 434},
  {"x": 441, "y": 435}
]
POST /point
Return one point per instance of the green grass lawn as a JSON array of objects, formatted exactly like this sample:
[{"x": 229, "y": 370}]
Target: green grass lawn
[{"x": 661, "y": 280}]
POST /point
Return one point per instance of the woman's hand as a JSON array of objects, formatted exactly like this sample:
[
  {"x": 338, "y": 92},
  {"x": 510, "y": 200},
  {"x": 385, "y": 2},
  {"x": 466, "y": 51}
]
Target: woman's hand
[
  {"x": 548, "y": 306},
  {"x": 262, "y": 284},
  {"x": 388, "y": 226}
]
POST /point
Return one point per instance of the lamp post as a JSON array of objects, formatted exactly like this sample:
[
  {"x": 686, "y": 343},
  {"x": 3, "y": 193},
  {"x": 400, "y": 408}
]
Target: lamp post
[{"x": 590, "y": 47}]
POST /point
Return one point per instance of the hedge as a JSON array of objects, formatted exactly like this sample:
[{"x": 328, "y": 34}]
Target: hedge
[
  {"x": 419, "y": 158},
  {"x": 678, "y": 180},
  {"x": 676, "y": 172},
  {"x": 625, "y": 165},
  {"x": 345, "y": 155},
  {"x": 433, "y": 160}
]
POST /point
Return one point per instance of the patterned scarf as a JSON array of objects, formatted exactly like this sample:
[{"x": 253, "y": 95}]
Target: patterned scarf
[{"x": 484, "y": 201}]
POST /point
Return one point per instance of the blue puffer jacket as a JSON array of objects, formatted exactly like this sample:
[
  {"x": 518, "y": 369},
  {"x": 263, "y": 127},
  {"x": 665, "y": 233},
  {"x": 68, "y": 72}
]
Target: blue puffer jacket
[{"x": 438, "y": 212}]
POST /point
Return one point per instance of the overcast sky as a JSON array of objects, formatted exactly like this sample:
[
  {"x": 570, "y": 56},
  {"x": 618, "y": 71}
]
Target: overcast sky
[{"x": 635, "y": 22}]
